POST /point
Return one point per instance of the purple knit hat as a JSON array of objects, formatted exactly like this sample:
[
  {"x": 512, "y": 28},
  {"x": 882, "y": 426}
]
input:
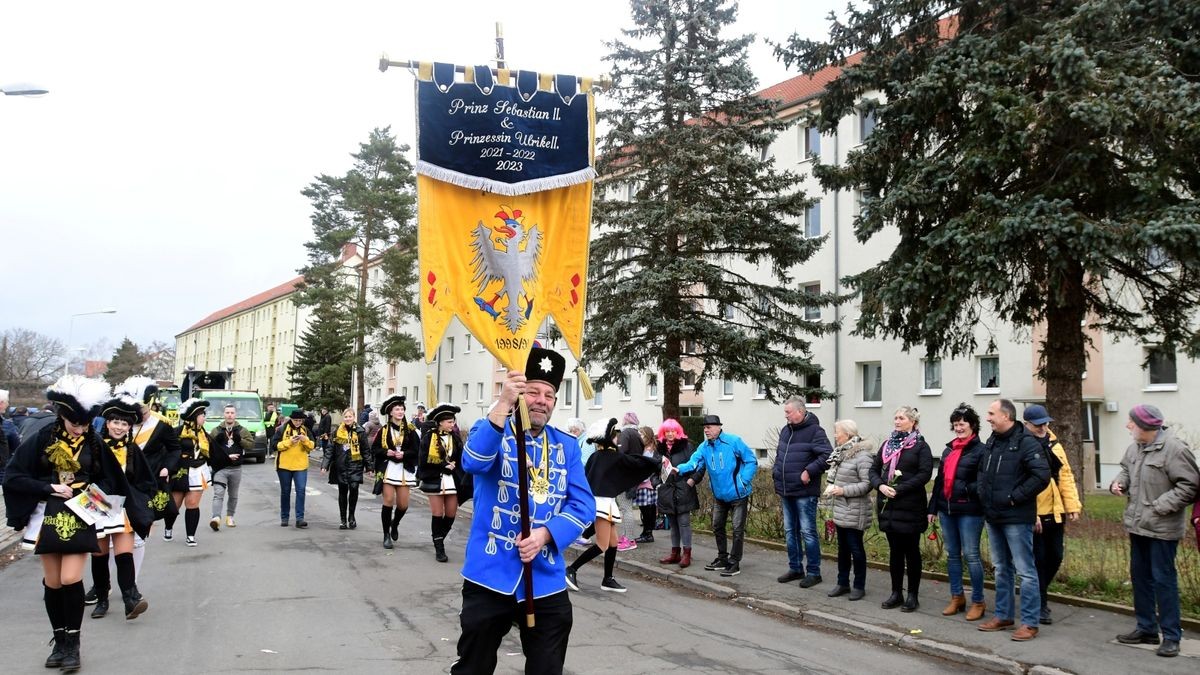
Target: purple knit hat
[
  {"x": 631, "y": 418},
  {"x": 1147, "y": 417}
]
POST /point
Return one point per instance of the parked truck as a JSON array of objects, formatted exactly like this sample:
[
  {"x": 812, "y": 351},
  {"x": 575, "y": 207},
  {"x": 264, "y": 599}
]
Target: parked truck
[{"x": 216, "y": 386}]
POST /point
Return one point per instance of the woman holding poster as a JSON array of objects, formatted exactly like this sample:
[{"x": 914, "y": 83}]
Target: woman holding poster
[{"x": 57, "y": 464}]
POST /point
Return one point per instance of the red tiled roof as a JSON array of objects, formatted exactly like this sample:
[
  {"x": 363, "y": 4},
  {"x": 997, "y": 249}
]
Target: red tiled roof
[
  {"x": 806, "y": 86},
  {"x": 250, "y": 302}
]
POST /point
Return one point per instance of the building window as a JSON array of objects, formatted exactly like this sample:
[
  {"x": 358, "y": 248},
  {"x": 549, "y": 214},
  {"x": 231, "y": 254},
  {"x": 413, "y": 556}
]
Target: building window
[
  {"x": 450, "y": 349},
  {"x": 449, "y": 395},
  {"x": 467, "y": 347},
  {"x": 866, "y": 124},
  {"x": 1160, "y": 368},
  {"x": 760, "y": 391},
  {"x": 812, "y": 142},
  {"x": 812, "y": 381},
  {"x": 568, "y": 392},
  {"x": 727, "y": 388},
  {"x": 598, "y": 398},
  {"x": 872, "y": 383},
  {"x": 931, "y": 382},
  {"x": 392, "y": 369},
  {"x": 480, "y": 390},
  {"x": 499, "y": 389},
  {"x": 689, "y": 379},
  {"x": 812, "y": 313},
  {"x": 689, "y": 347},
  {"x": 652, "y": 387},
  {"x": 728, "y": 312},
  {"x": 466, "y": 392},
  {"x": 626, "y": 387},
  {"x": 812, "y": 220},
  {"x": 989, "y": 374}
]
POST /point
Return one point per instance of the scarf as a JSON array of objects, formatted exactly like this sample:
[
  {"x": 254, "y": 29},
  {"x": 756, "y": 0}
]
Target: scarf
[
  {"x": 198, "y": 437},
  {"x": 950, "y": 465},
  {"x": 440, "y": 441},
  {"x": 345, "y": 437},
  {"x": 389, "y": 441},
  {"x": 64, "y": 451},
  {"x": 119, "y": 449},
  {"x": 898, "y": 443}
]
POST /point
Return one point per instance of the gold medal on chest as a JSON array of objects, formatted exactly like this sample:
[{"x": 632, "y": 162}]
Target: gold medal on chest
[{"x": 540, "y": 487}]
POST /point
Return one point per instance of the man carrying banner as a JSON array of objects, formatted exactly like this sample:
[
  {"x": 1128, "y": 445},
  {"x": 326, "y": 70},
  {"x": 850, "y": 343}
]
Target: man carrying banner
[{"x": 560, "y": 506}]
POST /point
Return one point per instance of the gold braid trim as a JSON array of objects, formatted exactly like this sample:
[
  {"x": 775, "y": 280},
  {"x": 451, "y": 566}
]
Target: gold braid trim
[
  {"x": 64, "y": 452},
  {"x": 196, "y": 433}
]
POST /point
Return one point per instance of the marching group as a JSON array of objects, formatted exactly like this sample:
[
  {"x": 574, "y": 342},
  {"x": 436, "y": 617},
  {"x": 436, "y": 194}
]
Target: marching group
[{"x": 1018, "y": 484}]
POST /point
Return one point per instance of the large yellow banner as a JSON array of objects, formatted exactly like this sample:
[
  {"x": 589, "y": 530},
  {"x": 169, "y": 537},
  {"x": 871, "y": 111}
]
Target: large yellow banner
[{"x": 502, "y": 263}]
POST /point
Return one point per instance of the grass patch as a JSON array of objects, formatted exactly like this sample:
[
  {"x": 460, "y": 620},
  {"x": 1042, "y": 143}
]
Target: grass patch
[{"x": 1095, "y": 564}]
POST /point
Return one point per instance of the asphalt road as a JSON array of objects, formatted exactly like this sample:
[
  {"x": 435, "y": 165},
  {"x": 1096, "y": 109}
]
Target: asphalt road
[{"x": 260, "y": 597}]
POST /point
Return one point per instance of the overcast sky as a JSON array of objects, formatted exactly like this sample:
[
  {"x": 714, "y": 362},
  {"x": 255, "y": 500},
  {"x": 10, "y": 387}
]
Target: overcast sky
[{"x": 161, "y": 175}]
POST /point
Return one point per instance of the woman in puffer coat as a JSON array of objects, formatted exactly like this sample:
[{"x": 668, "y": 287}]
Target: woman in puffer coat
[
  {"x": 899, "y": 473},
  {"x": 345, "y": 460},
  {"x": 848, "y": 492},
  {"x": 677, "y": 496}
]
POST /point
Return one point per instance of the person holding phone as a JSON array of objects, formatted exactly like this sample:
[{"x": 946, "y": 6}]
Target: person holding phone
[{"x": 292, "y": 442}]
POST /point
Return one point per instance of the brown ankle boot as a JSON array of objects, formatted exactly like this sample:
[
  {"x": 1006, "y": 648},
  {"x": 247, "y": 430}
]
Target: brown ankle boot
[
  {"x": 686, "y": 558},
  {"x": 673, "y": 558},
  {"x": 976, "y": 611},
  {"x": 957, "y": 604}
]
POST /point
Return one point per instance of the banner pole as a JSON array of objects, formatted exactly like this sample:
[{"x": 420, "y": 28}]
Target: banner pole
[{"x": 520, "y": 423}]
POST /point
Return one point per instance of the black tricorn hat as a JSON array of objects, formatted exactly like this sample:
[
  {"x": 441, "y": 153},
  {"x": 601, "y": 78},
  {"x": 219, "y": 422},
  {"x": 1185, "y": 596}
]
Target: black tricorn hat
[
  {"x": 122, "y": 407},
  {"x": 297, "y": 414},
  {"x": 138, "y": 387},
  {"x": 605, "y": 441},
  {"x": 390, "y": 403},
  {"x": 546, "y": 366},
  {"x": 712, "y": 419},
  {"x": 77, "y": 397},
  {"x": 444, "y": 411},
  {"x": 192, "y": 407}
]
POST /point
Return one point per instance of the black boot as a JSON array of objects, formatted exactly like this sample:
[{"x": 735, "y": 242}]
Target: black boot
[
  {"x": 439, "y": 550},
  {"x": 135, "y": 604},
  {"x": 893, "y": 601},
  {"x": 910, "y": 603},
  {"x": 60, "y": 649},
  {"x": 70, "y": 660},
  {"x": 101, "y": 608}
]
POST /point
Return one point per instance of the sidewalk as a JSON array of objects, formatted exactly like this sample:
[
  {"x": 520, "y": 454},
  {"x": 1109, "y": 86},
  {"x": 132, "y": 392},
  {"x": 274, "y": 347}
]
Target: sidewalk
[{"x": 1081, "y": 639}]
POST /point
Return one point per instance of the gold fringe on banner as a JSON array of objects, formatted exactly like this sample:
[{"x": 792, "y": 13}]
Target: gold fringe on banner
[
  {"x": 585, "y": 384},
  {"x": 430, "y": 391}
]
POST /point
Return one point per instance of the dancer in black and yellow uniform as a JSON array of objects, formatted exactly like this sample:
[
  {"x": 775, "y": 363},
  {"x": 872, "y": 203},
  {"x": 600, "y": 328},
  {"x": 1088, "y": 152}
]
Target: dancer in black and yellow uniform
[
  {"x": 395, "y": 451},
  {"x": 159, "y": 443},
  {"x": 119, "y": 415},
  {"x": 49, "y": 468},
  {"x": 345, "y": 459},
  {"x": 440, "y": 475},
  {"x": 191, "y": 479}
]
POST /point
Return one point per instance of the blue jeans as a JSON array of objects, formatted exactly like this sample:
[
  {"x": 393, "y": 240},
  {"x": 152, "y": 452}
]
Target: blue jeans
[
  {"x": 286, "y": 479},
  {"x": 961, "y": 534},
  {"x": 1012, "y": 546},
  {"x": 1155, "y": 581},
  {"x": 801, "y": 513}
]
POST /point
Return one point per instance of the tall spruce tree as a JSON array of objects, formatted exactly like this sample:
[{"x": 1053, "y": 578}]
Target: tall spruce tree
[
  {"x": 1038, "y": 161},
  {"x": 371, "y": 206},
  {"x": 126, "y": 362},
  {"x": 322, "y": 370},
  {"x": 691, "y": 272}
]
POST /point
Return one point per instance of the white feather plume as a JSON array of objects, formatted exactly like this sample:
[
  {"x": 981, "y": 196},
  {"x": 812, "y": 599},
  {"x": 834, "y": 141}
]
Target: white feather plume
[
  {"x": 135, "y": 387},
  {"x": 86, "y": 391}
]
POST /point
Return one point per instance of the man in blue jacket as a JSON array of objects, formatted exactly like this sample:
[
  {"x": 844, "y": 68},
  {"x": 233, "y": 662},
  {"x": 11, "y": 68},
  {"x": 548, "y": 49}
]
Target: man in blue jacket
[
  {"x": 800, "y": 459},
  {"x": 731, "y": 466}
]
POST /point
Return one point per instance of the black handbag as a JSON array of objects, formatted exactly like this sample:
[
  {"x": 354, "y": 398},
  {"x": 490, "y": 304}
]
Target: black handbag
[
  {"x": 377, "y": 488},
  {"x": 64, "y": 532}
]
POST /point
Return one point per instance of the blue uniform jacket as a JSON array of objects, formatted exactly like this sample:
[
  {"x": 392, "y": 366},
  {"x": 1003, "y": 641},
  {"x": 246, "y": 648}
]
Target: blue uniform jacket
[
  {"x": 492, "y": 560},
  {"x": 730, "y": 463}
]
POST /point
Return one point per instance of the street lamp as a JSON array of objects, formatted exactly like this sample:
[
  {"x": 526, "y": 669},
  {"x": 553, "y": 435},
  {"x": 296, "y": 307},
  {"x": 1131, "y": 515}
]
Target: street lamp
[
  {"x": 23, "y": 89},
  {"x": 71, "y": 333}
]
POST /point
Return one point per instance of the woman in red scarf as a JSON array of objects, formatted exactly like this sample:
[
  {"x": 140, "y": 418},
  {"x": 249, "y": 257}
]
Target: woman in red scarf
[{"x": 955, "y": 502}]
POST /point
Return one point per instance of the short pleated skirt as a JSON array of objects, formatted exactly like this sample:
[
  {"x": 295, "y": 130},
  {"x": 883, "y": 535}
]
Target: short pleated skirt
[
  {"x": 445, "y": 486},
  {"x": 396, "y": 474},
  {"x": 607, "y": 509}
]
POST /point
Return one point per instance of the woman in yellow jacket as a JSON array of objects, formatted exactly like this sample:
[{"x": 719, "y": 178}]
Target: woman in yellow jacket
[
  {"x": 293, "y": 441},
  {"x": 1061, "y": 497}
]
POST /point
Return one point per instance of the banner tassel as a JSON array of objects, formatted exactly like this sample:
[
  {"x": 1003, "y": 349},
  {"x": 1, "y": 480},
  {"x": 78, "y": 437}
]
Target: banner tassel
[
  {"x": 585, "y": 384},
  {"x": 430, "y": 391}
]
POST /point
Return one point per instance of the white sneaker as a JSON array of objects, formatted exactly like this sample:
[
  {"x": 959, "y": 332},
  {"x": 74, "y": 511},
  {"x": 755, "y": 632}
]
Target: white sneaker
[
  {"x": 167, "y": 535},
  {"x": 229, "y": 522},
  {"x": 215, "y": 523},
  {"x": 191, "y": 541}
]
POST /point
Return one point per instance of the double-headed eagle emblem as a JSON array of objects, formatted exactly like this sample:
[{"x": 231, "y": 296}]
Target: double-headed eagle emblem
[{"x": 507, "y": 253}]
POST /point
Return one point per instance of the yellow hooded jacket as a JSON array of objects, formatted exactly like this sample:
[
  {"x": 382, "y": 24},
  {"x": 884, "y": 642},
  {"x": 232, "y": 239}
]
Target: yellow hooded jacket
[{"x": 1061, "y": 495}]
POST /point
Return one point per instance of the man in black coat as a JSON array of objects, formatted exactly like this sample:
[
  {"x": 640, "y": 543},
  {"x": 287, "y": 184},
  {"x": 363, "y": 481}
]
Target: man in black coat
[
  {"x": 800, "y": 459},
  {"x": 1013, "y": 471}
]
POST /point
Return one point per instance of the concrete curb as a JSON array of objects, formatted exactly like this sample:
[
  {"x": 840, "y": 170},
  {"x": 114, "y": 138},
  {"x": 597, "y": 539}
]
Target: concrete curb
[{"x": 943, "y": 650}]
